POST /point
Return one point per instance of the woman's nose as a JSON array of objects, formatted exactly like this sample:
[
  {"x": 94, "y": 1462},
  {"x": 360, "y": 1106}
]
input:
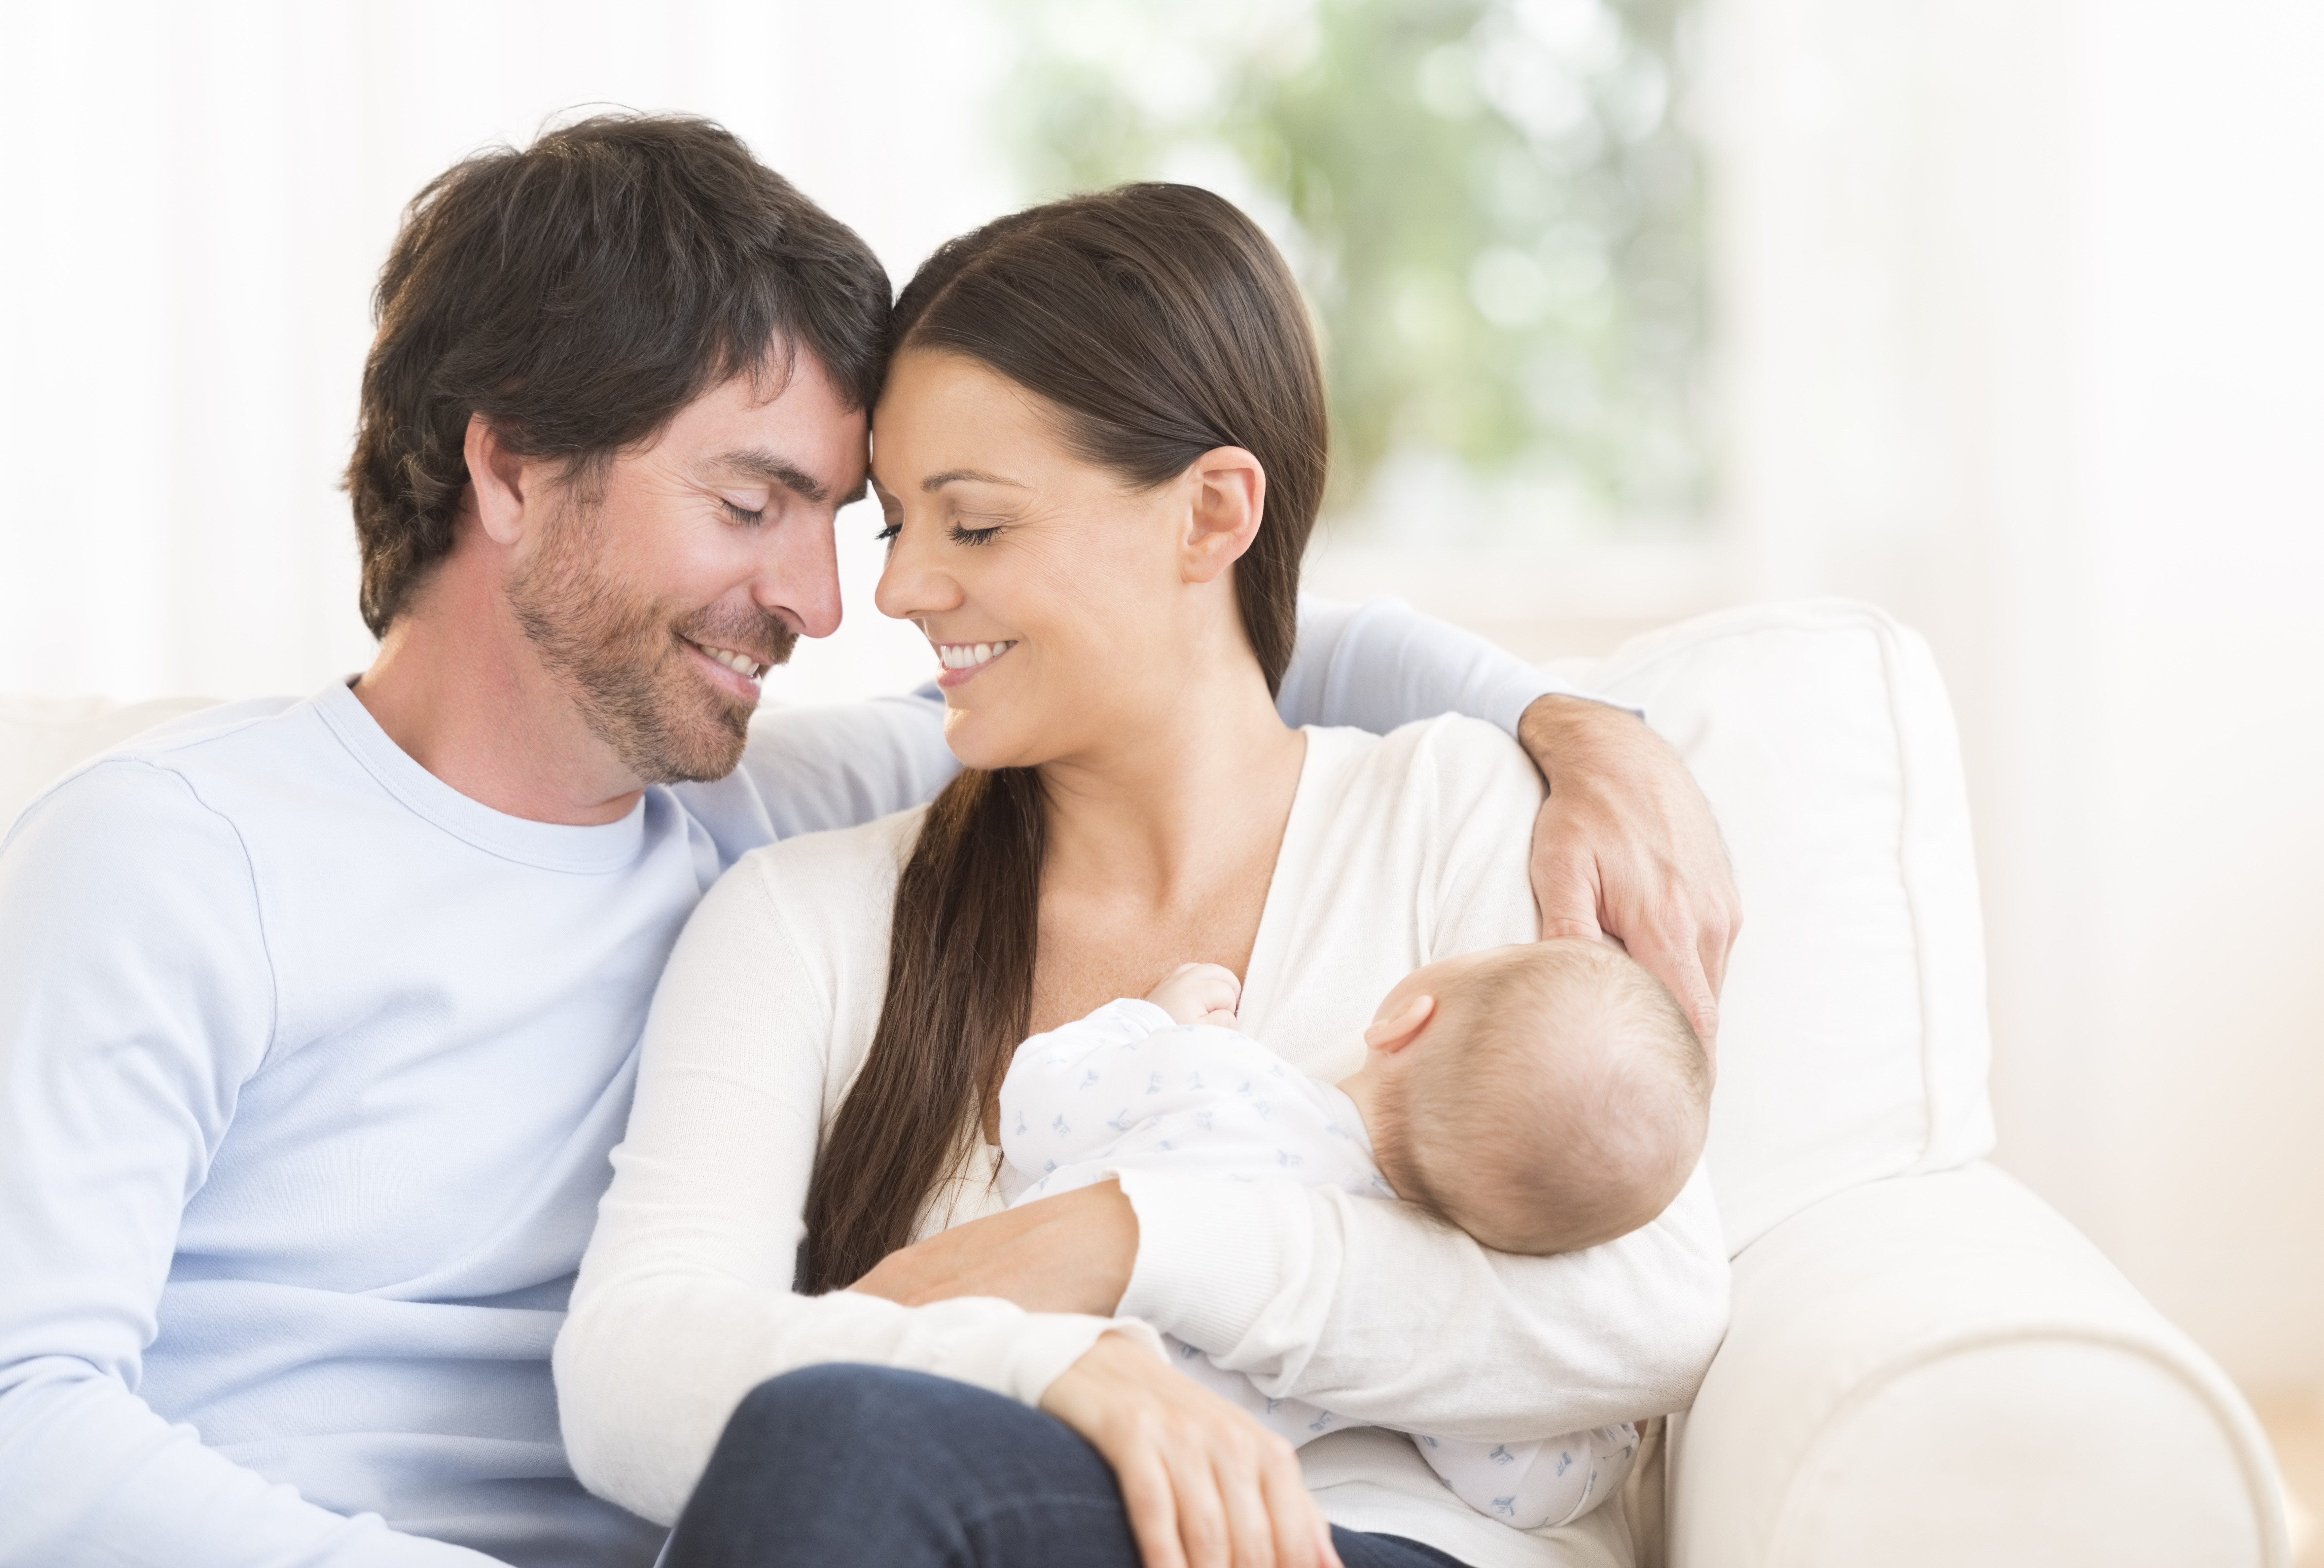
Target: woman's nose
[{"x": 912, "y": 585}]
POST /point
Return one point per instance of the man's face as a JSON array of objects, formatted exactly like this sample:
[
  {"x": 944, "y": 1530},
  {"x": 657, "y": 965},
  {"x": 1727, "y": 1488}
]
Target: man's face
[{"x": 666, "y": 584}]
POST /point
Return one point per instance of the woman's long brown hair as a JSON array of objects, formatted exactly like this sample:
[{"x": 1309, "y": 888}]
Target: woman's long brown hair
[{"x": 1160, "y": 324}]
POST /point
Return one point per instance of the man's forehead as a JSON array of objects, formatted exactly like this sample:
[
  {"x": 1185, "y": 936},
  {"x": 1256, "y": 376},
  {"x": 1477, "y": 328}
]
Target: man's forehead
[{"x": 803, "y": 438}]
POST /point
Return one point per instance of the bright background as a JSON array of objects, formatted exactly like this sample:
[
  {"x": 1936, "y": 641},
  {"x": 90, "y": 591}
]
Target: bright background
[{"x": 2011, "y": 318}]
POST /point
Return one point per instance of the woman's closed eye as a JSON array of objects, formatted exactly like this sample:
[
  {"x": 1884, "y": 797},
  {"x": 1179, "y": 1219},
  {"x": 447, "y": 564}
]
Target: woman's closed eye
[{"x": 956, "y": 532}]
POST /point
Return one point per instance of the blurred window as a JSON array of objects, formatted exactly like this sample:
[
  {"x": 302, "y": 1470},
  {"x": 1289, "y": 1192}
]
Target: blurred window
[{"x": 1495, "y": 207}]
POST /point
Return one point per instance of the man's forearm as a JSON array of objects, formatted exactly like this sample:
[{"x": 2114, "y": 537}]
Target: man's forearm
[
  {"x": 92, "y": 1475},
  {"x": 1381, "y": 664}
]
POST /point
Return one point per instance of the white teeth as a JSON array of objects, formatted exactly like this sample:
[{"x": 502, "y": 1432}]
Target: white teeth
[
  {"x": 969, "y": 655},
  {"x": 740, "y": 664}
]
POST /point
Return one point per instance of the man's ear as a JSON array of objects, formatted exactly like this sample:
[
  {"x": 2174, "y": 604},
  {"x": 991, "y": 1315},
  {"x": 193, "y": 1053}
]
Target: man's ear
[
  {"x": 1230, "y": 498},
  {"x": 1389, "y": 1036},
  {"x": 498, "y": 481}
]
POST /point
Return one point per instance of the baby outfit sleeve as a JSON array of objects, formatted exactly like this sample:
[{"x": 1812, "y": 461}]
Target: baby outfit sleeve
[{"x": 1067, "y": 1090}]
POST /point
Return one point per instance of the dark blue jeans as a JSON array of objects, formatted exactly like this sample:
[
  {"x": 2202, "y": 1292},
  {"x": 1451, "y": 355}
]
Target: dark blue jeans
[{"x": 849, "y": 1465}]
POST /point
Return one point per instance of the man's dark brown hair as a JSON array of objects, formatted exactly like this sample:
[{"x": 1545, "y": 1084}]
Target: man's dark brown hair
[{"x": 577, "y": 294}]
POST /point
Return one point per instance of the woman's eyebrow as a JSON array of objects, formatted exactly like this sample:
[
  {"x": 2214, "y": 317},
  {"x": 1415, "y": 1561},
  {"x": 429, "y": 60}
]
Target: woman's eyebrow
[{"x": 936, "y": 482}]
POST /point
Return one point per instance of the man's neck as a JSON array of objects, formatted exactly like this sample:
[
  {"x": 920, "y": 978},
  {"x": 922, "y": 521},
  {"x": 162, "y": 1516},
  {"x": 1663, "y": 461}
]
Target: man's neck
[{"x": 459, "y": 690}]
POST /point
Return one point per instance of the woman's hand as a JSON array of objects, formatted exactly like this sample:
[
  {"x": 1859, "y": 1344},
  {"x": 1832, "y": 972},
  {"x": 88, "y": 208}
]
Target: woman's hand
[
  {"x": 1203, "y": 1484},
  {"x": 1070, "y": 1253}
]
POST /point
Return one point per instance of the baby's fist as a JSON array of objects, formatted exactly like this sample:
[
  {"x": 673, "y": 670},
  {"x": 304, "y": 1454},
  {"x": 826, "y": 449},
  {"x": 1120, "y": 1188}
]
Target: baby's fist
[{"x": 1199, "y": 993}]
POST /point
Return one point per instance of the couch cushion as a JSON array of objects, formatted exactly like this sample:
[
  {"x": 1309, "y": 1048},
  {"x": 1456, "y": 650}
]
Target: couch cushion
[
  {"x": 1853, "y": 1042},
  {"x": 40, "y": 737}
]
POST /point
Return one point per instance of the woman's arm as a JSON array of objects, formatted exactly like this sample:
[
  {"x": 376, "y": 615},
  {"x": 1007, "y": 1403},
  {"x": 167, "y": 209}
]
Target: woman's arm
[
  {"x": 1368, "y": 1308},
  {"x": 1377, "y": 1312},
  {"x": 684, "y": 1302}
]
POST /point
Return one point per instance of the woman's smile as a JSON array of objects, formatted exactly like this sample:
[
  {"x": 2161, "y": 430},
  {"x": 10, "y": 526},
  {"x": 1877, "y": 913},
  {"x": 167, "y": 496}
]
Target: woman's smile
[{"x": 963, "y": 661}]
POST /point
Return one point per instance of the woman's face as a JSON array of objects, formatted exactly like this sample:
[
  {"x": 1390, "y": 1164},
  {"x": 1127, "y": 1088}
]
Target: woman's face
[{"x": 1062, "y": 604}]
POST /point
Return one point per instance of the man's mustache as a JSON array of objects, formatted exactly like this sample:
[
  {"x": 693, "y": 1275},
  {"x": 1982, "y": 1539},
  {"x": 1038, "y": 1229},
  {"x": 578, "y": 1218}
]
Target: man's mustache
[{"x": 762, "y": 634}]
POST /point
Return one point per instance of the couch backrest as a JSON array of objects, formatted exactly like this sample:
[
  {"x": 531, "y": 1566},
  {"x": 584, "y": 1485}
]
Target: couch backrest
[
  {"x": 41, "y": 737},
  {"x": 1854, "y": 1042}
]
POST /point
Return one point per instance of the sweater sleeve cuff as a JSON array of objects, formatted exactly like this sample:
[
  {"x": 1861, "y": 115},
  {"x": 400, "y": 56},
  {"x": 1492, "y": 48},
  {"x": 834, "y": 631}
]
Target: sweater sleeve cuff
[
  {"x": 1210, "y": 1254},
  {"x": 1055, "y": 1341}
]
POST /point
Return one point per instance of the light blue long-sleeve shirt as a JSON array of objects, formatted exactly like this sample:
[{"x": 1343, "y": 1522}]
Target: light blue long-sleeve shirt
[{"x": 309, "y": 1066}]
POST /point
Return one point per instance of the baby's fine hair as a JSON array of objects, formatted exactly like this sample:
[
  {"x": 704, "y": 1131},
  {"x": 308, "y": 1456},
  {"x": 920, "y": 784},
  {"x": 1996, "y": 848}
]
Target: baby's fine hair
[{"x": 1565, "y": 1104}]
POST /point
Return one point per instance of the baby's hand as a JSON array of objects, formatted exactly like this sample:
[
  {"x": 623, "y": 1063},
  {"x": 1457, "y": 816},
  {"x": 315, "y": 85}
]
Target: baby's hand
[{"x": 1199, "y": 993}]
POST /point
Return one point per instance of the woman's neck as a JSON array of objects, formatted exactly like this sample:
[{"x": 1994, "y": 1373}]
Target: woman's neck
[{"x": 1196, "y": 786}]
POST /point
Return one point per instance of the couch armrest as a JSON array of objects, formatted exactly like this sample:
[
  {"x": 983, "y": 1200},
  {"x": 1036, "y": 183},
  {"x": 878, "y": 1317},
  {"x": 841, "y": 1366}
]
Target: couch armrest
[{"x": 1940, "y": 1369}]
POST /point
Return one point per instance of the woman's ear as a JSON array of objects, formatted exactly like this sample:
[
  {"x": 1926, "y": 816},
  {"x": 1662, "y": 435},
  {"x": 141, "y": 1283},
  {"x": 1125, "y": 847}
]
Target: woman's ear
[
  {"x": 1229, "y": 498},
  {"x": 497, "y": 481}
]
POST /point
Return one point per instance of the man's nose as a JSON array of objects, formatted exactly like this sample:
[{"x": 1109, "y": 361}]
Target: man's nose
[{"x": 800, "y": 576}]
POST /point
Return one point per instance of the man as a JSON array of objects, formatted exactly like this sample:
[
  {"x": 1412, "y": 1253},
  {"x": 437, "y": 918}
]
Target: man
[{"x": 317, "y": 1019}]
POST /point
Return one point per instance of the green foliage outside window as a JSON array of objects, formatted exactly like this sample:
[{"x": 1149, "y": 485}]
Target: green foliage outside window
[{"x": 1491, "y": 204}]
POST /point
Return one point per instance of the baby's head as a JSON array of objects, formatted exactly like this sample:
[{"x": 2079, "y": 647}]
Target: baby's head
[{"x": 1551, "y": 1097}]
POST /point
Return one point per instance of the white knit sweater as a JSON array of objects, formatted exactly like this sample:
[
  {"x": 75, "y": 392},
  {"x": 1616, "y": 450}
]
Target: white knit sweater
[{"x": 1397, "y": 852}]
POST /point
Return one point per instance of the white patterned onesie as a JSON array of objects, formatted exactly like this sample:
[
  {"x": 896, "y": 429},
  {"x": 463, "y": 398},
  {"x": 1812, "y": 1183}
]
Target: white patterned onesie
[{"x": 1129, "y": 1087}]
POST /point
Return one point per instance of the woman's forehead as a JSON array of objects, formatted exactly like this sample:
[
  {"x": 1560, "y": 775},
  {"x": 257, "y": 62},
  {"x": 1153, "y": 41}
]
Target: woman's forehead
[{"x": 944, "y": 418}]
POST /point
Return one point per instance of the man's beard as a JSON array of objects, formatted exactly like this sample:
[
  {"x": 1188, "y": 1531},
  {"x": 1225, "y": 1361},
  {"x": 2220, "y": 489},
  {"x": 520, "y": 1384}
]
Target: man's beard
[{"x": 623, "y": 656}]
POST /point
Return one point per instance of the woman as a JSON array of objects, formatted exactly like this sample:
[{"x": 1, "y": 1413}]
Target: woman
[{"x": 1100, "y": 450}]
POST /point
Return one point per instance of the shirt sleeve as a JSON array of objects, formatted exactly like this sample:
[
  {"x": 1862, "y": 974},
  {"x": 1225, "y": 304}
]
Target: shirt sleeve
[
  {"x": 685, "y": 1300},
  {"x": 1377, "y": 1312},
  {"x": 1374, "y": 666},
  {"x": 135, "y": 998},
  {"x": 846, "y": 763},
  {"x": 1382, "y": 664}
]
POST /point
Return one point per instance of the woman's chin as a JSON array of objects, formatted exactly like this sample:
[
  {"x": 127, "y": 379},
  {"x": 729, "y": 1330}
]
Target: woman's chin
[{"x": 981, "y": 743}]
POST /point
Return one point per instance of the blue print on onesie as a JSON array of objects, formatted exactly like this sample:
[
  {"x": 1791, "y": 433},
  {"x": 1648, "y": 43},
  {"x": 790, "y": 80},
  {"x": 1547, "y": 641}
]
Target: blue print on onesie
[{"x": 1301, "y": 1129}]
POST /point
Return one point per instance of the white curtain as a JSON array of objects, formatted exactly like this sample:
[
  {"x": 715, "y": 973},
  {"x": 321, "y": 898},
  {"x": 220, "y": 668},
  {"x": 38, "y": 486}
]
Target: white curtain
[{"x": 201, "y": 196}]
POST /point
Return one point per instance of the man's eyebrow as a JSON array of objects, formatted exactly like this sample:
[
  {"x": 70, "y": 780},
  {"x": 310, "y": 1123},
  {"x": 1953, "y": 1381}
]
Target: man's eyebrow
[
  {"x": 758, "y": 463},
  {"x": 936, "y": 482}
]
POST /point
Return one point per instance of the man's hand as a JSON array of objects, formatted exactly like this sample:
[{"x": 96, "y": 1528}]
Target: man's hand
[
  {"x": 1070, "y": 1253},
  {"x": 1626, "y": 844}
]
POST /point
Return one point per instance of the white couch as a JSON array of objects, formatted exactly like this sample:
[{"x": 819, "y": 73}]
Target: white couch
[{"x": 1927, "y": 1365}]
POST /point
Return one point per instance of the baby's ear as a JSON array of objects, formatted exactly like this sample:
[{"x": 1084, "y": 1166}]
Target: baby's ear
[{"x": 1391, "y": 1035}]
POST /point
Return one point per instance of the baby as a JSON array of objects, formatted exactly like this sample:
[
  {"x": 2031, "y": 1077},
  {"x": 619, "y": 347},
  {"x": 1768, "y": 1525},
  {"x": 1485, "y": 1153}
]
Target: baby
[{"x": 1543, "y": 1098}]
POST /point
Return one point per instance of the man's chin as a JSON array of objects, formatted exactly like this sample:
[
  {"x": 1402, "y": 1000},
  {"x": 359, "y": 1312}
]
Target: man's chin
[
  {"x": 703, "y": 755},
  {"x": 674, "y": 732}
]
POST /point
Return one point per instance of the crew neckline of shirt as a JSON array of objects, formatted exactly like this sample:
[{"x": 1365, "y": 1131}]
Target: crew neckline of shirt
[
  {"x": 555, "y": 847},
  {"x": 1331, "y": 753}
]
